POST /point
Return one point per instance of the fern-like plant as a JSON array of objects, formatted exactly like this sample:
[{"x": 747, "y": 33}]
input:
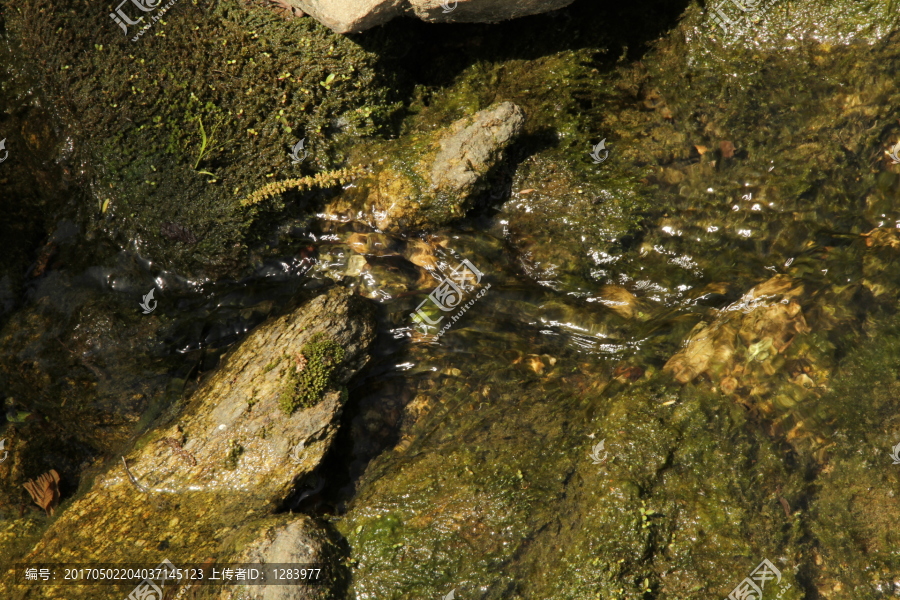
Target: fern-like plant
[{"x": 325, "y": 179}]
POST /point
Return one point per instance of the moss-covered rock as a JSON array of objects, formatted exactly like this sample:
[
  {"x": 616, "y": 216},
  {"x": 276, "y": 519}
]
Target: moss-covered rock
[
  {"x": 218, "y": 469},
  {"x": 174, "y": 129},
  {"x": 432, "y": 178},
  {"x": 494, "y": 484}
]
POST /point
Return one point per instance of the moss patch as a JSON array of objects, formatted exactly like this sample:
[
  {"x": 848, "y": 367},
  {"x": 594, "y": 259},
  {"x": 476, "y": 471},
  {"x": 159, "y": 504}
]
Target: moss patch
[
  {"x": 255, "y": 81},
  {"x": 310, "y": 373},
  {"x": 234, "y": 455}
]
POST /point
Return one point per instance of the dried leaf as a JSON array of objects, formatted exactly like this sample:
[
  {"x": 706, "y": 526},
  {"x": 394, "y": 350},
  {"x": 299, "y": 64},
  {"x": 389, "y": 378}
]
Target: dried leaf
[
  {"x": 701, "y": 149},
  {"x": 45, "y": 490}
]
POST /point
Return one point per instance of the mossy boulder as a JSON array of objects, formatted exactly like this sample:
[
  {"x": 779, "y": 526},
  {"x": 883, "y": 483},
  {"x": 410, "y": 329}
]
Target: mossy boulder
[
  {"x": 172, "y": 130},
  {"x": 494, "y": 483},
  {"x": 432, "y": 178},
  {"x": 217, "y": 470}
]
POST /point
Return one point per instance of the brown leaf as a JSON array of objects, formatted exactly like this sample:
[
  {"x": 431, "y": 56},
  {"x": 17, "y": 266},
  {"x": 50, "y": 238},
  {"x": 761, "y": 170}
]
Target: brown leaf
[
  {"x": 45, "y": 490},
  {"x": 701, "y": 149},
  {"x": 727, "y": 149}
]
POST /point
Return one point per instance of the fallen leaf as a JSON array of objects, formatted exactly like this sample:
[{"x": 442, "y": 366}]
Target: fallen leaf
[
  {"x": 701, "y": 149},
  {"x": 528, "y": 191},
  {"x": 45, "y": 490}
]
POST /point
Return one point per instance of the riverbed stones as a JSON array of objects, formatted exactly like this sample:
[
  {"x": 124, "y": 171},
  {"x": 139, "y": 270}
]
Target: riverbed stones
[
  {"x": 434, "y": 177},
  {"x": 353, "y": 16}
]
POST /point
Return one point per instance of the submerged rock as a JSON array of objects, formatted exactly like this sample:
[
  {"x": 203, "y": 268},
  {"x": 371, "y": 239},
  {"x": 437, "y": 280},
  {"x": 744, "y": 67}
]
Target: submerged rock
[
  {"x": 435, "y": 177},
  {"x": 352, "y": 16},
  {"x": 229, "y": 460},
  {"x": 493, "y": 479}
]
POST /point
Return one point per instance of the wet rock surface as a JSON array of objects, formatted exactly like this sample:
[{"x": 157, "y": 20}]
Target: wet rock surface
[
  {"x": 297, "y": 540},
  {"x": 439, "y": 175},
  {"x": 686, "y": 362}
]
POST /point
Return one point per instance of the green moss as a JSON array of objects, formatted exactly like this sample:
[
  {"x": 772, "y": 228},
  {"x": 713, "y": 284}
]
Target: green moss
[
  {"x": 234, "y": 454},
  {"x": 303, "y": 386},
  {"x": 252, "y": 80}
]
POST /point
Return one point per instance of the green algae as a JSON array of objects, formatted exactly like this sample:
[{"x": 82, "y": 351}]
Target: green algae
[
  {"x": 491, "y": 496},
  {"x": 709, "y": 490},
  {"x": 695, "y": 505},
  {"x": 305, "y": 383}
]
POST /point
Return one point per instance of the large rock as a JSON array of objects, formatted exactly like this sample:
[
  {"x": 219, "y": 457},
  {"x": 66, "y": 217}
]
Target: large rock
[
  {"x": 435, "y": 177},
  {"x": 206, "y": 484},
  {"x": 351, "y": 16}
]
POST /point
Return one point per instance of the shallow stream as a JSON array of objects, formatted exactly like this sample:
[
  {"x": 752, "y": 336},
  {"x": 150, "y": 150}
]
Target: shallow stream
[{"x": 673, "y": 364}]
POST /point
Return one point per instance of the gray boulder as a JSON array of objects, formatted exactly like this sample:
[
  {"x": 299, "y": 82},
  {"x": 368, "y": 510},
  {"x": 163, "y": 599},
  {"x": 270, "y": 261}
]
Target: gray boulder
[{"x": 352, "y": 16}]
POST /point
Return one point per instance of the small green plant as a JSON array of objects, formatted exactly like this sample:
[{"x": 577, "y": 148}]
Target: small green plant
[
  {"x": 309, "y": 373},
  {"x": 206, "y": 146},
  {"x": 646, "y": 515},
  {"x": 234, "y": 454},
  {"x": 328, "y": 81},
  {"x": 323, "y": 179}
]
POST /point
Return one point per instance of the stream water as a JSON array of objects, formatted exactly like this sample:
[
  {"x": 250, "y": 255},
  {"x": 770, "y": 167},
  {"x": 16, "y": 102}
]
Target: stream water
[{"x": 671, "y": 364}]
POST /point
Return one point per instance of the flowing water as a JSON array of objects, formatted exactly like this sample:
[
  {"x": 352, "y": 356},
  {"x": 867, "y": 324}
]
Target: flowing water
[{"x": 470, "y": 461}]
